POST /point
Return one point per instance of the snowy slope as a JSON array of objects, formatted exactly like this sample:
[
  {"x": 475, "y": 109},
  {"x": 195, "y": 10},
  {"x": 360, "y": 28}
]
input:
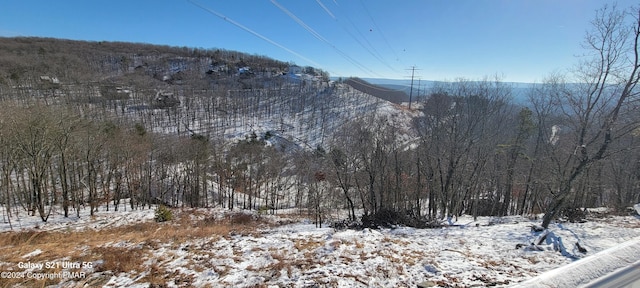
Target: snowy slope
[
  {"x": 586, "y": 270},
  {"x": 472, "y": 253},
  {"x": 305, "y": 118}
]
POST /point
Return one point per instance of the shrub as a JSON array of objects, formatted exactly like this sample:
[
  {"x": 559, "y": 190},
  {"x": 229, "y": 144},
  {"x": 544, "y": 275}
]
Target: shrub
[
  {"x": 574, "y": 215},
  {"x": 346, "y": 224},
  {"x": 268, "y": 135},
  {"x": 388, "y": 218},
  {"x": 163, "y": 214},
  {"x": 383, "y": 218}
]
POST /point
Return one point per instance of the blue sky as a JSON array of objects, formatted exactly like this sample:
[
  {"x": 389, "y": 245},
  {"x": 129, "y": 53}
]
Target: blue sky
[{"x": 520, "y": 40}]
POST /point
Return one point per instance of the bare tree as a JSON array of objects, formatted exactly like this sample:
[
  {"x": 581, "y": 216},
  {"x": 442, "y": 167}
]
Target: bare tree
[
  {"x": 600, "y": 110},
  {"x": 462, "y": 124},
  {"x": 343, "y": 169},
  {"x": 34, "y": 135},
  {"x": 514, "y": 150}
]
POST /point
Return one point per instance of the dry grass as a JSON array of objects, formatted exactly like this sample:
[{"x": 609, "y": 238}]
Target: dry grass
[
  {"x": 489, "y": 264},
  {"x": 307, "y": 244},
  {"x": 54, "y": 245},
  {"x": 239, "y": 223},
  {"x": 135, "y": 244},
  {"x": 118, "y": 259},
  {"x": 240, "y": 218},
  {"x": 156, "y": 276},
  {"x": 280, "y": 264},
  {"x": 411, "y": 257},
  {"x": 356, "y": 277},
  {"x": 222, "y": 270},
  {"x": 335, "y": 244}
]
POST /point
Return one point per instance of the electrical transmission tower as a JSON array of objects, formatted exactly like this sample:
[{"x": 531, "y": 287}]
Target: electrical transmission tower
[{"x": 413, "y": 71}]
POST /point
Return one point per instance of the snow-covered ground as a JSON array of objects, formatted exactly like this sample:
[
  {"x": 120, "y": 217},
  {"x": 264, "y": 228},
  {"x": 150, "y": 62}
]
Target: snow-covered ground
[
  {"x": 289, "y": 251},
  {"x": 587, "y": 270}
]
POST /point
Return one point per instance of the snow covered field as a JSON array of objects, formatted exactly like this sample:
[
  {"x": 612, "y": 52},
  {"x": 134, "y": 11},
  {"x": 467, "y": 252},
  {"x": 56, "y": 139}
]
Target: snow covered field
[{"x": 219, "y": 248}]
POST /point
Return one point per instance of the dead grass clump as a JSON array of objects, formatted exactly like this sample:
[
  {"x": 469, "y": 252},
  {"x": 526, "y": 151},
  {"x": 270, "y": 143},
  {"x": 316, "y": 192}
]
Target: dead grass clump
[
  {"x": 237, "y": 222},
  {"x": 221, "y": 230},
  {"x": 279, "y": 264},
  {"x": 347, "y": 259},
  {"x": 138, "y": 227},
  {"x": 491, "y": 263},
  {"x": 282, "y": 263},
  {"x": 412, "y": 257},
  {"x": 335, "y": 244},
  {"x": 240, "y": 218},
  {"x": 222, "y": 270},
  {"x": 53, "y": 245},
  {"x": 181, "y": 280},
  {"x": 364, "y": 256},
  {"x": 209, "y": 227},
  {"x": 396, "y": 241},
  {"x": 208, "y": 221},
  {"x": 118, "y": 259},
  {"x": 37, "y": 279},
  {"x": 233, "y": 223},
  {"x": 356, "y": 277},
  {"x": 14, "y": 238},
  {"x": 306, "y": 245},
  {"x": 155, "y": 276},
  {"x": 151, "y": 244}
]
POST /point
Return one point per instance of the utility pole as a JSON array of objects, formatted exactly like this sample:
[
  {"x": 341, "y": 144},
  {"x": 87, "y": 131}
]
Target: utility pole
[
  {"x": 419, "y": 86},
  {"x": 413, "y": 70}
]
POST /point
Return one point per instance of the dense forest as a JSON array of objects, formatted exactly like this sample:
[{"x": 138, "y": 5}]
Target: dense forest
[{"x": 86, "y": 125}]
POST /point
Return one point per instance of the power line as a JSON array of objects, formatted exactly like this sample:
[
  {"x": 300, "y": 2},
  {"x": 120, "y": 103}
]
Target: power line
[
  {"x": 254, "y": 33},
  {"x": 378, "y": 29},
  {"x": 326, "y": 9},
  {"x": 369, "y": 47},
  {"x": 320, "y": 37}
]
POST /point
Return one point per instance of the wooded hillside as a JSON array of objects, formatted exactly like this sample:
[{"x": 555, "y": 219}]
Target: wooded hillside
[{"x": 89, "y": 123}]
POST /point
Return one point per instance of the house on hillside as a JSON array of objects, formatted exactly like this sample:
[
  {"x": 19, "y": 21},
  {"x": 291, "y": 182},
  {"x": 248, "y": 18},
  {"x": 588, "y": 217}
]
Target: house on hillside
[
  {"x": 52, "y": 80},
  {"x": 245, "y": 72},
  {"x": 165, "y": 100},
  {"x": 49, "y": 83},
  {"x": 114, "y": 92},
  {"x": 294, "y": 70},
  {"x": 295, "y": 74},
  {"x": 217, "y": 68}
]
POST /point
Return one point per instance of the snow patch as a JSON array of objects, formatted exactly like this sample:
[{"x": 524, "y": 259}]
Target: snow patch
[
  {"x": 32, "y": 253},
  {"x": 583, "y": 271},
  {"x": 474, "y": 252}
]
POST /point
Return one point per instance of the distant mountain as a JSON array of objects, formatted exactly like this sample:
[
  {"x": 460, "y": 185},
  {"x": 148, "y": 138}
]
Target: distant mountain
[
  {"x": 179, "y": 91},
  {"x": 24, "y": 59},
  {"x": 421, "y": 88}
]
